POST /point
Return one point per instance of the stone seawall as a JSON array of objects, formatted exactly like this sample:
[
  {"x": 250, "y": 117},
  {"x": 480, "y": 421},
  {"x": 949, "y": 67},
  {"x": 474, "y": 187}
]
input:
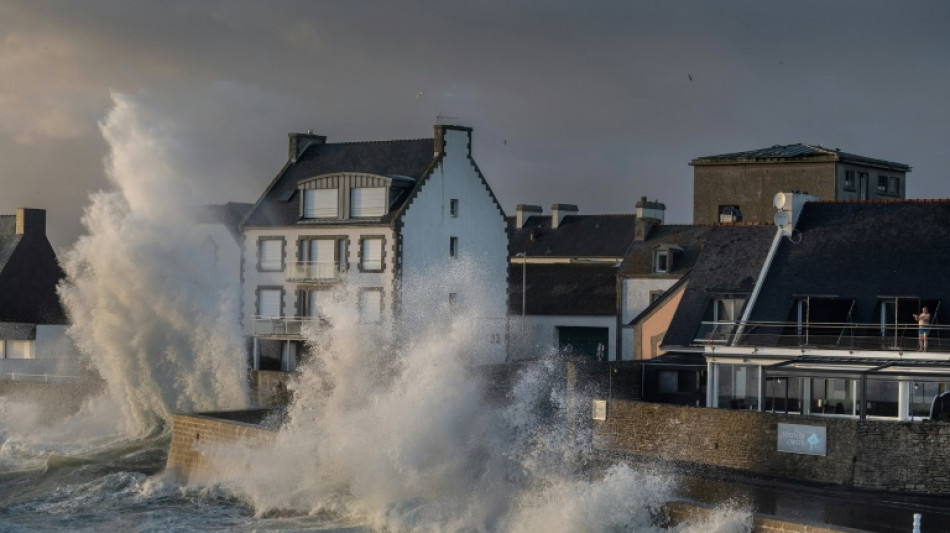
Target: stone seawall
[
  {"x": 196, "y": 436},
  {"x": 869, "y": 454}
]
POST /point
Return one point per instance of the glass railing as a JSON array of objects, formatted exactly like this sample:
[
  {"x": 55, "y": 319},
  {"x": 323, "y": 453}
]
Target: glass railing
[
  {"x": 307, "y": 270},
  {"x": 282, "y": 326},
  {"x": 826, "y": 335}
]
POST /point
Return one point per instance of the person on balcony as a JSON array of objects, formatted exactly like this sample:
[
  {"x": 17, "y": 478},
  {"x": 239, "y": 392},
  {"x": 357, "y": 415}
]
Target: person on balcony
[{"x": 923, "y": 328}]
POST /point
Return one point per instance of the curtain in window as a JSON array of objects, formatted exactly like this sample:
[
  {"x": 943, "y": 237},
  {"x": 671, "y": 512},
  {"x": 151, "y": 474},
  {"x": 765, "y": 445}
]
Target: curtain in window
[{"x": 368, "y": 202}]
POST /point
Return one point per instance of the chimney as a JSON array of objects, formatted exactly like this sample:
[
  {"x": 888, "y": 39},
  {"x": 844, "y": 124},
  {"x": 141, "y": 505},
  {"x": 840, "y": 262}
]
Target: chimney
[
  {"x": 647, "y": 209},
  {"x": 559, "y": 211},
  {"x": 300, "y": 141},
  {"x": 524, "y": 212},
  {"x": 30, "y": 221},
  {"x": 444, "y": 131}
]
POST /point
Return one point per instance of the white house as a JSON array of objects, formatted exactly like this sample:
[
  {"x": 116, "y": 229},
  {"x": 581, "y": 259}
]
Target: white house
[{"x": 410, "y": 226}]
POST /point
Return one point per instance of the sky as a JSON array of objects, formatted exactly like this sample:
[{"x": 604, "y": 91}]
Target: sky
[{"x": 591, "y": 103}]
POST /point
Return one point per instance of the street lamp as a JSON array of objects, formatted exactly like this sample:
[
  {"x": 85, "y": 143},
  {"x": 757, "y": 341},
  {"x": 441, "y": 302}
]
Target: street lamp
[{"x": 524, "y": 288}]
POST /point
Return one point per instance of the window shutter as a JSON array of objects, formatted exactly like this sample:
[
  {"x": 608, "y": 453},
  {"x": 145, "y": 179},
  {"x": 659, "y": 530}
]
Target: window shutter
[
  {"x": 271, "y": 251},
  {"x": 372, "y": 254},
  {"x": 320, "y": 203},
  {"x": 268, "y": 301},
  {"x": 370, "y": 307},
  {"x": 368, "y": 202}
]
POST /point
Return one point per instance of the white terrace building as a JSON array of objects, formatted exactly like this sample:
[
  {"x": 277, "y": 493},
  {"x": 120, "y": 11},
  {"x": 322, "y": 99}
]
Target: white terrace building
[{"x": 409, "y": 226}]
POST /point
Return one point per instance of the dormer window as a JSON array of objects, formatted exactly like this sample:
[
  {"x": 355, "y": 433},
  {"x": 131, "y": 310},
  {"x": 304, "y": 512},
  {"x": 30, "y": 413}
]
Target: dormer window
[
  {"x": 367, "y": 202},
  {"x": 320, "y": 203},
  {"x": 661, "y": 261},
  {"x": 663, "y": 256}
]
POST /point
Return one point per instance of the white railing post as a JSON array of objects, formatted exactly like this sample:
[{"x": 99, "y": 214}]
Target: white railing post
[{"x": 917, "y": 522}]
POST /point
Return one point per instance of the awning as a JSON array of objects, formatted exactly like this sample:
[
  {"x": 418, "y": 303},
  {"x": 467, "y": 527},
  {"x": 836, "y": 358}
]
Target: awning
[{"x": 855, "y": 368}]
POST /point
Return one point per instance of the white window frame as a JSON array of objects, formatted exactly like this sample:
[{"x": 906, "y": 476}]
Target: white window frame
[
  {"x": 371, "y": 254},
  {"x": 260, "y": 301},
  {"x": 656, "y": 261}
]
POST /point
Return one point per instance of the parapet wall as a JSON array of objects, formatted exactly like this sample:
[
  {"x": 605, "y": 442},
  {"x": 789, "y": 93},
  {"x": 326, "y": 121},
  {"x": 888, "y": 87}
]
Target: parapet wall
[
  {"x": 195, "y": 437},
  {"x": 869, "y": 454}
]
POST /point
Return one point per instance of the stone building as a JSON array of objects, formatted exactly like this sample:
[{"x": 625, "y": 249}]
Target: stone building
[{"x": 739, "y": 187}]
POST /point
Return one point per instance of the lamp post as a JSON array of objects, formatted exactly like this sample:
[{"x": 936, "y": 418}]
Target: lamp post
[{"x": 524, "y": 288}]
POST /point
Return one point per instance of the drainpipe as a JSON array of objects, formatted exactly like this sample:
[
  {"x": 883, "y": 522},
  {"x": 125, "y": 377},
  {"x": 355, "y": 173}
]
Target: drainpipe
[{"x": 758, "y": 286}]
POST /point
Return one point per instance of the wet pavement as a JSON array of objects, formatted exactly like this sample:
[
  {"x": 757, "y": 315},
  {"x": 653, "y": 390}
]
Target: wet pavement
[{"x": 819, "y": 504}]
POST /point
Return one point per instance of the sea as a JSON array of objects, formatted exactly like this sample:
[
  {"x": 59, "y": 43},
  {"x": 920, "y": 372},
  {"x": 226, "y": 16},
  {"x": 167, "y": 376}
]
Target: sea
[{"x": 388, "y": 430}]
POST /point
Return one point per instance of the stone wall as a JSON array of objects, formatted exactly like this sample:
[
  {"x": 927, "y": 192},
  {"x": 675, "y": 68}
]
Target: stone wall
[
  {"x": 196, "y": 436},
  {"x": 899, "y": 456}
]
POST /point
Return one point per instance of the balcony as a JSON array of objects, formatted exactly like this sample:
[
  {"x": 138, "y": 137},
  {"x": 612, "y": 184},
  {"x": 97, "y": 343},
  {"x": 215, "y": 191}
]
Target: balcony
[
  {"x": 283, "y": 327},
  {"x": 823, "y": 335},
  {"x": 315, "y": 271}
]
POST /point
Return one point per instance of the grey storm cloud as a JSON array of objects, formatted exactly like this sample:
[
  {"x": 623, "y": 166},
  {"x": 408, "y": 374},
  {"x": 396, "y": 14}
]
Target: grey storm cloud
[{"x": 593, "y": 103}]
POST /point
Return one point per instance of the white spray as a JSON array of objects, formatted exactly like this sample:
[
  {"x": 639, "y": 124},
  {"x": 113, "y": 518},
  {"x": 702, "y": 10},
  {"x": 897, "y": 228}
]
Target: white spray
[{"x": 150, "y": 311}]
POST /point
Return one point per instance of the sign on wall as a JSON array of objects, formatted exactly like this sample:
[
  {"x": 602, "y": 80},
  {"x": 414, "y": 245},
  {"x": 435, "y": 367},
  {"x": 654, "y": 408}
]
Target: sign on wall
[{"x": 797, "y": 438}]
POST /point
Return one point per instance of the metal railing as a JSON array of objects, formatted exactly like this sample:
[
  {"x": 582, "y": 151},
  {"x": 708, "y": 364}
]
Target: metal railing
[
  {"x": 826, "y": 335},
  {"x": 307, "y": 270},
  {"x": 282, "y": 326}
]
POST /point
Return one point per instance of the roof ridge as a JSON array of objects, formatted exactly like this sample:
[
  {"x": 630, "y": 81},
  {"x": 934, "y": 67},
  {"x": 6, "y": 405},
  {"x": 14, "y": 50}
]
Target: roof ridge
[
  {"x": 890, "y": 201},
  {"x": 380, "y": 141}
]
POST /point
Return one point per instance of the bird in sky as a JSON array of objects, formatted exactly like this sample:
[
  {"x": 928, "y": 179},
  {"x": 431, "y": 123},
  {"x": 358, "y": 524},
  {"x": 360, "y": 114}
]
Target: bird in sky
[
  {"x": 690, "y": 77},
  {"x": 419, "y": 94}
]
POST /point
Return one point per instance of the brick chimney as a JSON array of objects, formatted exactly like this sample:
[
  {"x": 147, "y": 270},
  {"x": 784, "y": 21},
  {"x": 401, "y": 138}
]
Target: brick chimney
[
  {"x": 559, "y": 211},
  {"x": 300, "y": 141},
  {"x": 524, "y": 212},
  {"x": 30, "y": 221}
]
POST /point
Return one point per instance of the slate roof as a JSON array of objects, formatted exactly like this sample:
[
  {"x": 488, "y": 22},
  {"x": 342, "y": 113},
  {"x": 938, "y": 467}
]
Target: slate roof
[
  {"x": 564, "y": 289},
  {"x": 797, "y": 151},
  {"x": 29, "y": 273},
  {"x": 408, "y": 158},
  {"x": 639, "y": 259},
  {"x": 729, "y": 264},
  {"x": 576, "y": 236},
  {"x": 862, "y": 250},
  {"x": 228, "y": 214}
]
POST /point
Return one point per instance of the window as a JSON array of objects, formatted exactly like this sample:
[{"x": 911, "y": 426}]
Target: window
[
  {"x": 371, "y": 306},
  {"x": 833, "y": 396},
  {"x": 321, "y": 257},
  {"x": 881, "y": 184},
  {"x": 922, "y": 396},
  {"x": 730, "y": 213},
  {"x": 453, "y": 302},
  {"x": 849, "y": 180},
  {"x": 661, "y": 262},
  {"x": 738, "y": 387},
  {"x": 270, "y": 257},
  {"x": 720, "y": 319},
  {"x": 313, "y": 302},
  {"x": 371, "y": 254},
  {"x": 496, "y": 338},
  {"x": 454, "y": 247},
  {"x": 454, "y": 207},
  {"x": 656, "y": 295},
  {"x": 269, "y": 302},
  {"x": 320, "y": 203},
  {"x": 367, "y": 202},
  {"x": 783, "y": 395},
  {"x": 894, "y": 185},
  {"x": 17, "y": 349}
]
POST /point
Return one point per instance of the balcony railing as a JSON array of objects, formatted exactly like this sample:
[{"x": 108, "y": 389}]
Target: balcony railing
[
  {"x": 307, "y": 270},
  {"x": 823, "y": 335},
  {"x": 282, "y": 326}
]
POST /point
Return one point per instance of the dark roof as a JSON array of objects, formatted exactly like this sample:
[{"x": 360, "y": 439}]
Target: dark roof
[
  {"x": 639, "y": 259},
  {"x": 859, "y": 251},
  {"x": 29, "y": 273},
  {"x": 798, "y": 152},
  {"x": 575, "y": 236},
  {"x": 229, "y": 215},
  {"x": 729, "y": 264},
  {"x": 407, "y": 158},
  {"x": 564, "y": 289}
]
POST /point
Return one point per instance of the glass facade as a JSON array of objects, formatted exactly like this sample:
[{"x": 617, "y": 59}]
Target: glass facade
[
  {"x": 922, "y": 395},
  {"x": 783, "y": 395},
  {"x": 832, "y": 396},
  {"x": 738, "y": 387}
]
